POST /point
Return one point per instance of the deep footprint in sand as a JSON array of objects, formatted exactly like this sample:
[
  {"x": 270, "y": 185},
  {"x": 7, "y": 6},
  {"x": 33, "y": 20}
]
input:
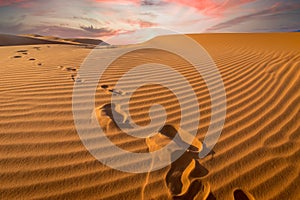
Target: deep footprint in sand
[
  {"x": 239, "y": 194},
  {"x": 69, "y": 69},
  {"x": 112, "y": 91},
  {"x": 77, "y": 79},
  {"x": 17, "y": 57},
  {"x": 198, "y": 190},
  {"x": 22, "y": 51},
  {"x": 111, "y": 116},
  {"x": 184, "y": 177},
  {"x": 37, "y": 48}
]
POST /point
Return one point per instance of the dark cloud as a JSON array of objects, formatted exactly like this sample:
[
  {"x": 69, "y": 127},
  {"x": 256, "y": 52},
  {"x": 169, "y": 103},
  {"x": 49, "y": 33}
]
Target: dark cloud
[
  {"x": 101, "y": 31},
  {"x": 87, "y": 19},
  {"x": 152, "y": 3}
]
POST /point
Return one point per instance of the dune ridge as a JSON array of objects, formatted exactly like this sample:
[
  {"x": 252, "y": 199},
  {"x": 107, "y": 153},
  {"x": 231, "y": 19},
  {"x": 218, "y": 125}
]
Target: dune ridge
[
  {"x": 33, "y": 39},
  {"x": 42, "y": 157}
]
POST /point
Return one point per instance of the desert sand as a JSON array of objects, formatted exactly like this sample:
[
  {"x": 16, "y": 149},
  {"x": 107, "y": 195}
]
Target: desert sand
[{"x": 256, "y": 157}]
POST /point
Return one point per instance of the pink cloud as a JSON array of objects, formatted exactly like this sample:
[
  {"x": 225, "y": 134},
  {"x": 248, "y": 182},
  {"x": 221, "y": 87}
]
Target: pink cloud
[
  {"x": 207, "y": 7},
  {"x": 18, "y": 3},
  {"x": 141, "y": 23},
  {"x": 211, "y": 7},
  {"x": 118, "y": 1},
  {"x": 12, "y": 2}
]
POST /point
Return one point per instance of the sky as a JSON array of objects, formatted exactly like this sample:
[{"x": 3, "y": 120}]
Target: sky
[{"x": 138, "y": 20}]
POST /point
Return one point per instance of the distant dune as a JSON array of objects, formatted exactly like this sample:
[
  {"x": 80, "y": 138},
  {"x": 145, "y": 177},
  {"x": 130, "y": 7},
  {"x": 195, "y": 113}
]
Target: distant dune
[
  {"x": 12, "y": 40},
  {"x": 32, "y": 39},
  {"x": 256, "y": 157},
  {"x": 87, "y": 41}
]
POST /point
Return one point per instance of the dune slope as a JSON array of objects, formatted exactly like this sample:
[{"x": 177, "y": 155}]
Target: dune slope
[{"x": 42, "y": 157}]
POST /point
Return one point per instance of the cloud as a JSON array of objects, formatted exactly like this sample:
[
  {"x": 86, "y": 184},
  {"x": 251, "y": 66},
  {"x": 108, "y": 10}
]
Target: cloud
[
  {"x": 97, "y": 18},
  {"x": 151, "y": 3},
  {"x": 11, "y": 28},
  {"x": 275, "y": 9},
  {"x": 146, "y": 24},
  {"x": 118, "y": 1},
  {"x": 60, "y": 31},
  {"x": 212, "y": 7},
  {"x": 18, "y": 3},
  {"x": 98, "y": 31},
  {"x": 71, "y": 32},
  {"x": 141, "y": 23},
  {"x": 148, "y": 14},
  {"x": 207, "y": 7},
  {"x": 88, "y": 19},
  {"x": 10, "y": 2},
  {"x": 135, "y": 2}
]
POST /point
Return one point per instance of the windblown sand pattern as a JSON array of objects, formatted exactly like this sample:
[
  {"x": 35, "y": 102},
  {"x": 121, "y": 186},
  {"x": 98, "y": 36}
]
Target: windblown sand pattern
[{"x": 42, "y": 157}]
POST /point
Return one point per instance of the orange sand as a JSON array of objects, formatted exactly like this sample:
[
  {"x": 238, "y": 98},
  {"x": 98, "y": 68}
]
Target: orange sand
[{"x": 42, "y": 157}]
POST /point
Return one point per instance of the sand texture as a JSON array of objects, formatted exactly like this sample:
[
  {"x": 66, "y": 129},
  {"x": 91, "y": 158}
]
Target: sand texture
[{"x": 256, "y": 157}]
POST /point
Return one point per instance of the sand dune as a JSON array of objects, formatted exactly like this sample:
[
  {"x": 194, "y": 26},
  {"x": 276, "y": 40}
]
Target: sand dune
[
  {"x": 256, "y": 157},
  {"x": 12, "y": 40},
  {"x": 32, "y": 39}
]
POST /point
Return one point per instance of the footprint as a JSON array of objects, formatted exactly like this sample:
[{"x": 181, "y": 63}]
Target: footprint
[
  {"x": 104, "y": 87},
  {"x": 184, "y": 177},
  {"x": 39, "y": 64},
  {"x": 31, "y": 59},
  {"x": 184, "y": 138},
  {"x": 17, "y": 57},
  {"x": 70, "y": 69},
  {"x": 76, "y": 78},
  {"x": 108, "y": 115},
  {"x": 195, "y": 190},
  {"x": 113, "y": 112},
  {"x": 22, "y": 51},
  {"x": 183, "y": 172},
  {"x": 37, "y": 48},
  {"x": 198, "y": 190},
  {"x": 207, "y": 151},
  {"x": 113, "y": 91},
  {"x": 211, "y": 196},
  {"x": 239, "y": 194},
  {"x": 122, "y": 112}
]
